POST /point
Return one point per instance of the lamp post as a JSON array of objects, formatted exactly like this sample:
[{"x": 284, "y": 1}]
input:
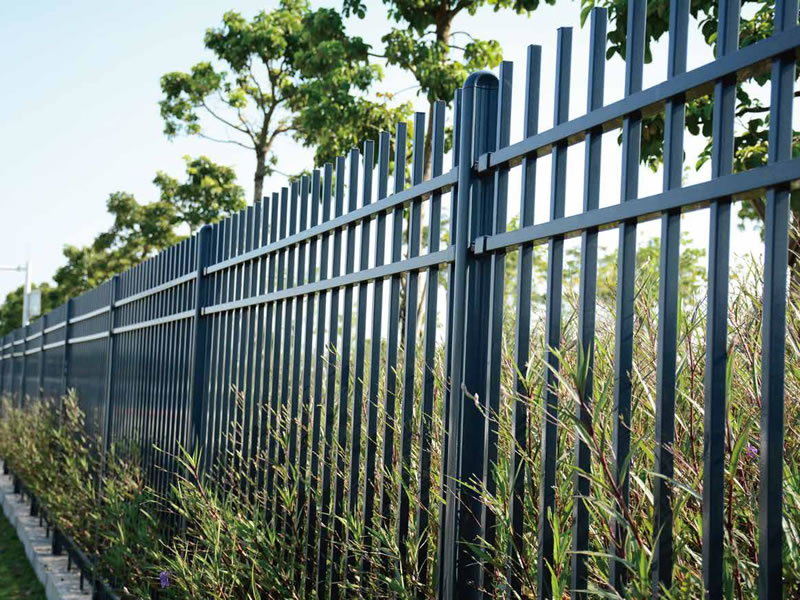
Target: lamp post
[{"x": 26, "y": 296}]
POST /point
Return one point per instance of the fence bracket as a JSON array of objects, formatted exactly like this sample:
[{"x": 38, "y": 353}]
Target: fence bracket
[
  {"x": 482, "y": 165},
  {"x": 478, "y": 246}
]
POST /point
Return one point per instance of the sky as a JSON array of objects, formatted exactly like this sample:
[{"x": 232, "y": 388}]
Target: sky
[{"x": 79, "y": 115}]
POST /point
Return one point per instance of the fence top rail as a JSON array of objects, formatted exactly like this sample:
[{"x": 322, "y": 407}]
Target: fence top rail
[
  {"x": 748, "y": 61},
  {"x": 416, "y": 263},
  {"x": 440, "y": 183},
  {"x": 190, "y": 276}
]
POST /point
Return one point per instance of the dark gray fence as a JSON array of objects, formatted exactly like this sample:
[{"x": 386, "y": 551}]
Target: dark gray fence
[{"x": 311, "y": 302}]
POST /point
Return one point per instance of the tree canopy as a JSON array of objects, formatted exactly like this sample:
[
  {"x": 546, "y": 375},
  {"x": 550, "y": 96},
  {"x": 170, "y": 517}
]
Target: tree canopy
[
  {"x": 292, "y": 70},
  {"x": 752, "y": 116},
  {"x": 138, "y": 231},
  {"x": 423, "y": 43},
  {"x": 11, "y": 308}
]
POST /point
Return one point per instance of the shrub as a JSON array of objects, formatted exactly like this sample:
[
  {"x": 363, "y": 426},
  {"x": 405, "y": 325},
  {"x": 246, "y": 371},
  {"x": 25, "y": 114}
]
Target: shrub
[
  {"x": 230, "y": 539},
  {"x": 110, "y": 517}
]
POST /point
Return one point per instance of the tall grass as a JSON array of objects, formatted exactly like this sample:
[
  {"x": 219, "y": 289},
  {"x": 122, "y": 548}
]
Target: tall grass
[
  {"x": 113, "y": 523},
  {"x": 375, "y": 562},
  {"x": 236, "y": 541}
]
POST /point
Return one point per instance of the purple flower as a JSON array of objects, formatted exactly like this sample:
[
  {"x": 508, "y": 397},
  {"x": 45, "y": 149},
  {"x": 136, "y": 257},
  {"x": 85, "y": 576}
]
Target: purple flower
[
  {"x": 164, "y": 579},
  {"x": 752, "y": 451}
]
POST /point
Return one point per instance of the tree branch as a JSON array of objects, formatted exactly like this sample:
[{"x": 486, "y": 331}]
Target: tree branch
[
  {"x": 460, "y": 5},
  {"x": 278, "y": 130},
  {"x": 213, "y": 139},
  {"x": 760, "y": 109},
  {"x": 758, "y": 205},
  {"x": 466, "y": 33},
  {"x": 245, "y": 130},
  {"x": 256, "y": 83}
]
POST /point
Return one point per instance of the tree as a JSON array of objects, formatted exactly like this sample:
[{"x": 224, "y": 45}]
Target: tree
[
  {"x": 11, "y": 309},
  {"x": 422, "y": 44},
  {"x": 752, "y": 121},
  {"x": 290, "y": 70},
  {"x": 210, "y": 190},
  {"x": 138, "y": 231}
]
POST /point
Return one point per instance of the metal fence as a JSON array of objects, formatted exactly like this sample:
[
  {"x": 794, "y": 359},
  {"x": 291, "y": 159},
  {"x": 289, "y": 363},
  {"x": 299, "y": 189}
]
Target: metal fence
[{"x": 323, "y": 308}]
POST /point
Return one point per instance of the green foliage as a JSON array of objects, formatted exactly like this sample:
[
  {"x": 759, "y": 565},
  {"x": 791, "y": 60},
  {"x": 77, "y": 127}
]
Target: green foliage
[
  {"x": 240, "y": 543},
  {"x": 230, "y": 547},
  {"x": 46, "y": 446},
  {"x": 208, "y": 193},
  {"x": 289, "y": 70},
  {"x": 422, "y": 43},
  {"x": 752, "y": 121},
  {"x": 11, "y": 309},
  {"x": 138, "y": 231},
  {"x": 742, "y": 439}
]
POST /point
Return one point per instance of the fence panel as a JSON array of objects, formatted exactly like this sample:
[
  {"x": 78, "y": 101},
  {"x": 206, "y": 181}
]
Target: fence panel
[
  {"x": 355, "y": 345},
  {"x": 53, "y": 348},
  {"x": 87, "y": 353},
  {"x": 33, "y": 346}
]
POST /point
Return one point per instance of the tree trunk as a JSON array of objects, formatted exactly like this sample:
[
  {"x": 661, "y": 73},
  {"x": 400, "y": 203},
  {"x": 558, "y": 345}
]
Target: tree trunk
[
  {"x": 443, "y": 26},
  {"x": 258, "y": 179}
]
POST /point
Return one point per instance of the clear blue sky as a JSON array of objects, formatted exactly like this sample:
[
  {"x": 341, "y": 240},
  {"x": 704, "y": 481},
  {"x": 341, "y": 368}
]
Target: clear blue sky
[{"x": 79, "y": 111}]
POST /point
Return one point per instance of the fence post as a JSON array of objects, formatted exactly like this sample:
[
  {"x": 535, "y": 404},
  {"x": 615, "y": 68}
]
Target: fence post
[
  {"x": 3, "y": 372},
  {"x": 3, "y": 365},
  {"x": 199, "y": 346},
  {"x": 41, "y": 357},
  {"x": 65, "y": 374},
  {"x": 56, "y": 542},
  {"x": 24, "y": 366},
  {"x": 108, "y": 414},
  {"x": 460, "y": 573}
]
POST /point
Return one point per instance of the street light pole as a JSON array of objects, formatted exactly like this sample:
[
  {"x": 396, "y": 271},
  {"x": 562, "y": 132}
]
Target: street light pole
[{"x": 26, "y": 296}]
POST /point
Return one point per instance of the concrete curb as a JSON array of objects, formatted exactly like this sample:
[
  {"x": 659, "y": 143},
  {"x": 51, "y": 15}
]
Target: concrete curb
[{"x": 58, "y": 582}]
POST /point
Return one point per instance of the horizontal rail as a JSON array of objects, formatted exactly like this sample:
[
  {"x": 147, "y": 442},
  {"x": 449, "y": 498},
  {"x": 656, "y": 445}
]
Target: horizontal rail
[
  {"x": 691, "y": 84},
  {"x": 650, "y": 207},
  {"x": 30, "y": 351},
  {"x": 30, "y": 338},
  {"x": 404, "y": 266},
  {"x": 53, "y": 345},
  {"x": 89, "y": 315},
  {"x": 440, "y": 183},
  {"x": 88, "y": 338},
  {"x": 55, "y": 327},
  {"x": 187, "y": 314},
  {"x": 156, "y": 290}
]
